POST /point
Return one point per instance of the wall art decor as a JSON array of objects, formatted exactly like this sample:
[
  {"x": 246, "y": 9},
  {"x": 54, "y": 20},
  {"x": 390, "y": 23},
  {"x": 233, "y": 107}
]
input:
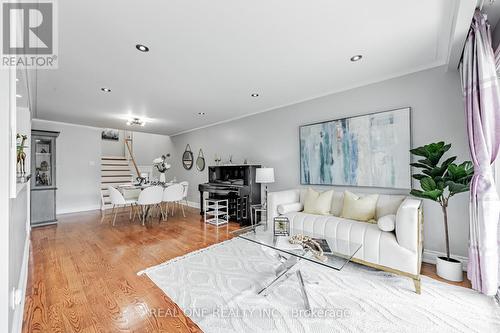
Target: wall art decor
[
  {"x": 200, "y": 161},
  {"x": 187, "y": 158},
  {"x": 369, "y": 150},
  {"x": 110, "y": 134}
]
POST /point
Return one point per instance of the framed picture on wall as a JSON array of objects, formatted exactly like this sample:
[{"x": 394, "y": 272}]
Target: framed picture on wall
[
  {"x": 110, "y": 134},
  {"x": 370, "y": 150}
]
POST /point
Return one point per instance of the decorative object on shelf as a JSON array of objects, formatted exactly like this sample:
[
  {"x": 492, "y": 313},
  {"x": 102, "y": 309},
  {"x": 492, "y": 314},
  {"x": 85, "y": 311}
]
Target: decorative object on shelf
[
  {"x": 281, "y": 225},
  {"x": 264, "y": 176},
  {"x": 440, "y": 182},
  {"x": 21, "y": 155},
  {"x": 110, "y": 134},
  {"x": 217, "y": 160},
  {"x": 308, "y": 243},
  {"x": 368, "y": 150},
  {"x": 245, "y": 161},
  {"x": 44, "y": 166},
  {"x": 162, "y": 167},
  {"x": 200, "y": 161},
  {"x": 229, "y": 161},
  {"x": 187, "y": 158}
]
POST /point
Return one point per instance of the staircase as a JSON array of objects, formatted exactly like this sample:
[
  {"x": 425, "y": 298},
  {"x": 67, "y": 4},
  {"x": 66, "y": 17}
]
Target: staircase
[{"x": 115, "y": 170}]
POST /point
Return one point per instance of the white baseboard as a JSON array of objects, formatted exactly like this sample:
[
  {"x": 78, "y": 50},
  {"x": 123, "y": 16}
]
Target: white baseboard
[
  {"x": 193, "y": 204},
  {"x": 78, "y": 209},
  {"x": 429, "y": 257},
  {"x": 17, "y": 317}
]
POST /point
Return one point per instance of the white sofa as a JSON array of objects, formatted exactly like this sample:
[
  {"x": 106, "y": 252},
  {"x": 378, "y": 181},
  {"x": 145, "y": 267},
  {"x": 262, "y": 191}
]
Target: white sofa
[{"x": 397, "y": 252}]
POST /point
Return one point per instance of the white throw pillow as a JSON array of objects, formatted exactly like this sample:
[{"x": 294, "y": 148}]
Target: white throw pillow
[
  {"x": 290, "y": 207},
  {"x": 318, "y": 202},
  {"x": 387, "y": 222},
  {"x": 337, "y": 203},
  {"x": 360, "y": 209}
]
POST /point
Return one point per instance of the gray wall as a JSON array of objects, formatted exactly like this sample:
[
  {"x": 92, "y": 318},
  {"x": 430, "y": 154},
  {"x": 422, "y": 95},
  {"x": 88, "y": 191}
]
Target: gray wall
[
  {"x": 114, "y": 148},
  {"x": 147, "y": 147},
  {"x": 6, "y": 312},
  {"x": 78, "y": 161},
  {"x": 78, "y": 157},
  {"x": 271, "y": 138}
]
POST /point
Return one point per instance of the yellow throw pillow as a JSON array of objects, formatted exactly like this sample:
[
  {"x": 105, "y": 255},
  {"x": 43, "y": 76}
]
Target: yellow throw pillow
[
  {"x": 360, "y": 209},
  {"x": 318, "y": 202}
]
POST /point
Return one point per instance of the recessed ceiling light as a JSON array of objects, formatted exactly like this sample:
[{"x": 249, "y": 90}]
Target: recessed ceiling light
[
  {"x": 17, "y": 80},
  {"x": 356, "y": 58},
  {"x": 254, "y": 95},
  {"x": 19, "y": 96},
  {"x": 106, "y": 89},
  {"x": 201, "y": 113},
  {"x": 142, "y": 48}
]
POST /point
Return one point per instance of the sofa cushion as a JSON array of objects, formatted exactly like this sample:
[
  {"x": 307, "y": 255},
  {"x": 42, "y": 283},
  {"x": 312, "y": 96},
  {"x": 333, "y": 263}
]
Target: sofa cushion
[
  {"x": 377, "y": 247},
  {"x": 387, "y": 222},
  {"x": 337, "y": 203},
  {"x": 318, "y": 202},
  {"x": 290, "y": 207},
  {"x": 388, "y": 204},
  {"x": 357, "y": 208}
]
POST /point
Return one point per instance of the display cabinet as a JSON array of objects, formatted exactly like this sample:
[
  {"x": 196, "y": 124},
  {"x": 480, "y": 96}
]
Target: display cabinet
[{"x": 43, "y": 180}]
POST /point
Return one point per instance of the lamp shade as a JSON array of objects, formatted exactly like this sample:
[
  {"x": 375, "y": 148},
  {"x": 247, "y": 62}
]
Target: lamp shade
[{"x": 264, "y": 175}]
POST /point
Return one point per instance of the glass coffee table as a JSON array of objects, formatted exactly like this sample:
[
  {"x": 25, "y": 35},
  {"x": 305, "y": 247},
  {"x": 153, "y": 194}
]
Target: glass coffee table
[{"x": 341, "y": 252}]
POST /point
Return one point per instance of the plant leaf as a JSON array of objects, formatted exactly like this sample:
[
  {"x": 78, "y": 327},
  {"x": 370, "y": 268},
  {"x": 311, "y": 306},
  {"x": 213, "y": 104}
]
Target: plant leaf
[
  {"x": 432, "y": 152},
  {"x": 420, "y": 165},
  {"x": 432, "y": 195},
  {"x": 460, "y": 173},
  {"x": 427, "y": 162},
  {"x": 428, "y": 184},
  {"x": 419, "y": 176},
  {"x": 456, "y": 188}
]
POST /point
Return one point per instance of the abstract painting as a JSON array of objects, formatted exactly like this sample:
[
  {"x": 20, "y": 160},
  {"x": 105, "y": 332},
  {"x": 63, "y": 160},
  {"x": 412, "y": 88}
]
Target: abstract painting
[{"x": 369, "y": 150}]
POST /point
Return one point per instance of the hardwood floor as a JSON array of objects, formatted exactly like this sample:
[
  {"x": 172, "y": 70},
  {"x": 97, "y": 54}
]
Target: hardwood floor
[
  {"x": 430, "y": 271},
  {"x": 83, "y": 273}
]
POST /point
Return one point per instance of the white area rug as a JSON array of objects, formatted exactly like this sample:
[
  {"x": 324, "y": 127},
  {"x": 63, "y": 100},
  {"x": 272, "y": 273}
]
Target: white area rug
[{"x": 216, "y": 287}]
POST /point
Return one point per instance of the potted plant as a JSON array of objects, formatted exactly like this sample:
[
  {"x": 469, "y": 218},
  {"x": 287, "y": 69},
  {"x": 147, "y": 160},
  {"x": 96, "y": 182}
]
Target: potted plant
[{"x": 440, "y": 182}]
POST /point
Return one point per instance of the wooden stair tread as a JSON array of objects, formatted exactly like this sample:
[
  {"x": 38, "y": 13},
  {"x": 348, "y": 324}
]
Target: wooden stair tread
[
  {"x": 114, "y": 162},
  {"x": 122, "y": 158},
  {"x": 115, "y": 171}
]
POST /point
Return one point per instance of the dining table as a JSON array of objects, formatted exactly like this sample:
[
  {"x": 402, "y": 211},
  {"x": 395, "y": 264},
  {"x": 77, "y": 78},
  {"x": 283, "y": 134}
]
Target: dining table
[{"x": 132, "y": 191}]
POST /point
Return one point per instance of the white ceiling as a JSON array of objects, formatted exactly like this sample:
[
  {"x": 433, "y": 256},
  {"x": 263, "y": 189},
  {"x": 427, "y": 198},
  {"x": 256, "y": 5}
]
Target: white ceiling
[{"x": 209, "y": 56}]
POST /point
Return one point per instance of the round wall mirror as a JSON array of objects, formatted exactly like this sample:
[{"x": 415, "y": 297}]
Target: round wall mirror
[
  {"x": 187, "y": 158},
  {"x": 200, "y": 161}
]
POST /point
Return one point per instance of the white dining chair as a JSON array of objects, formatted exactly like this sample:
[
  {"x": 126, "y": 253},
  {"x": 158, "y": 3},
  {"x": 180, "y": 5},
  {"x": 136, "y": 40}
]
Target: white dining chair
[
  {"x": 185, "y": 186},
  {"x": 173, "y": 194},
  {"x": 150, "y": 198},
  {"x": 118, "y": 201}
]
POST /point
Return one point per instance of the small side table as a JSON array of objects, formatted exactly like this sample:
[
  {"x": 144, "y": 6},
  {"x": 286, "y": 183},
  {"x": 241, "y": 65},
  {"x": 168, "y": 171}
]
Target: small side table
[
  {"x": 216, "y": 211},
  {"x": 254, "y": 209}
]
